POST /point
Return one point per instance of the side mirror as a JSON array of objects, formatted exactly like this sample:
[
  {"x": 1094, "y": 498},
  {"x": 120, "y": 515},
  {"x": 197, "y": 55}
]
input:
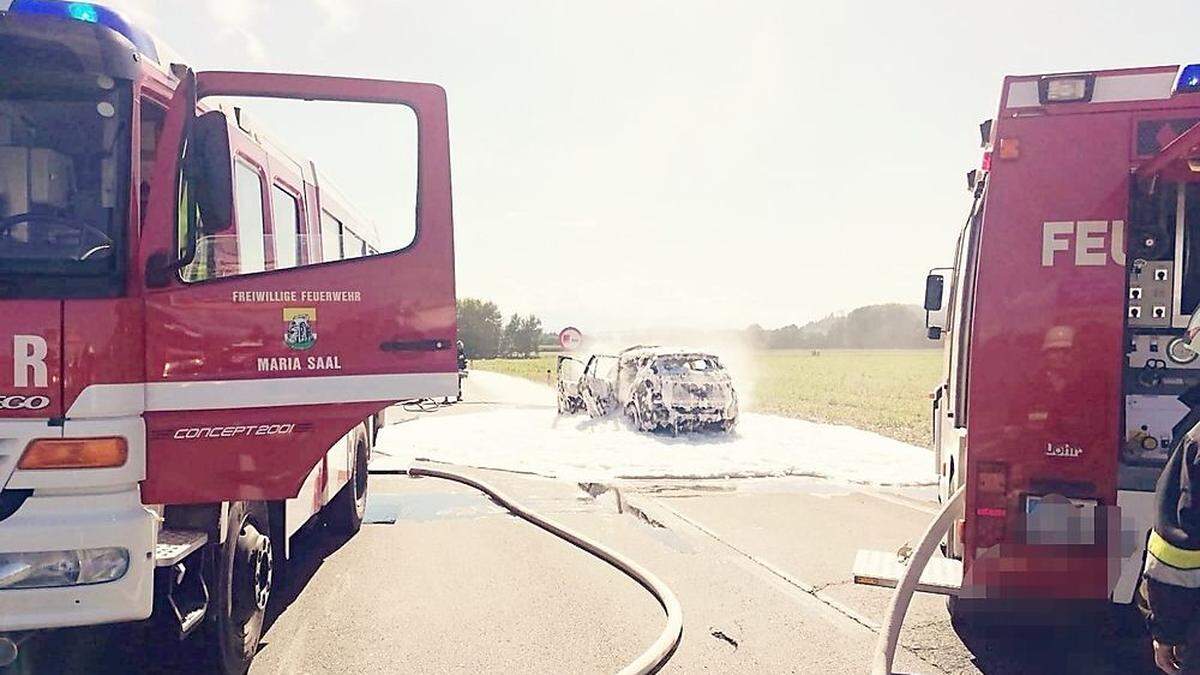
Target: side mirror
[
  {"x": 934, "y": 285},
  {"x": 210, "y": 171},
  {"x": 936, "y": 312}
]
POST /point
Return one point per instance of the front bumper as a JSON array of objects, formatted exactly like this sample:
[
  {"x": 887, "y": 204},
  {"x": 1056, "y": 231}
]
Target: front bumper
[{"x": 65, "y": 521}]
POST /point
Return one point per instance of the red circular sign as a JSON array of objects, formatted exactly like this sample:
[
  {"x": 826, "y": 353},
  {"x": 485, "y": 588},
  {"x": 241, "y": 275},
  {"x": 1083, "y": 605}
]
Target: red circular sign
[{"x": 570, "y": 338}]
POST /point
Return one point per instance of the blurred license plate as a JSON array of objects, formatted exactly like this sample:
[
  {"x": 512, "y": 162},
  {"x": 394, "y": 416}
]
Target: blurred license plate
[{"x": 1059, "y": 521}]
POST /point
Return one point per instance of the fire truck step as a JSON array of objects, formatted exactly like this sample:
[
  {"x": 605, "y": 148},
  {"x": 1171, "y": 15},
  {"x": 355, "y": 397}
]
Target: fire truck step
[
  {"x": 175, "y": 545},
  {"x": 883, "y": 568}
]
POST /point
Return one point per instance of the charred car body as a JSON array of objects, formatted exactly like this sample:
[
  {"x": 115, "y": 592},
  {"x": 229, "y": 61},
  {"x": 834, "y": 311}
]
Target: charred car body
[{"x": 655, "y": 388}]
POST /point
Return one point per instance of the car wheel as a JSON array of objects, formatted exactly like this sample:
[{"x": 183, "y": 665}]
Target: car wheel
[{"x": 635, "y": 415}]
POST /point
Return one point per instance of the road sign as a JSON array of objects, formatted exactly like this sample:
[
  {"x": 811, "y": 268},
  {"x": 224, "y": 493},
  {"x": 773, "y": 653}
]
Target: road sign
[{"x": 570, "y": 338}]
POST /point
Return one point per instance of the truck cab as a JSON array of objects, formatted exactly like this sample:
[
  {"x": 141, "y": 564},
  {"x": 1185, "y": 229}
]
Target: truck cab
[{"x": 188, "y": 370}]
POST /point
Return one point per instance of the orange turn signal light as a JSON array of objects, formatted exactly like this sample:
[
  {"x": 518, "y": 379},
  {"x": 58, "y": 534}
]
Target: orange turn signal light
[{"x": 74, "y": 453}]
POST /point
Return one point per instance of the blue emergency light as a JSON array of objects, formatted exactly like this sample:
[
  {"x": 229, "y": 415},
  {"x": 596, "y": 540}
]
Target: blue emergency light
[
  {"x": 88, "y": 12},
  {"x": 82, "y": 11},
  {"x": 1189, "y": 79}
]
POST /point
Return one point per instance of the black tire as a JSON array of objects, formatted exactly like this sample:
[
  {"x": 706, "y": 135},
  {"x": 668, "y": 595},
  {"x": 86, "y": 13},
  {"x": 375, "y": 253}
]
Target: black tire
[
  {"x": 244, "y": 575},
  {"x": 964, "y": 621},
  {"x": 349, "y": 505}
]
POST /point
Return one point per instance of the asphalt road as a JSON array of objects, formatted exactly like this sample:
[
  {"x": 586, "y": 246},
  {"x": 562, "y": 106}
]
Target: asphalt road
[{"x": 454, "y": 584}]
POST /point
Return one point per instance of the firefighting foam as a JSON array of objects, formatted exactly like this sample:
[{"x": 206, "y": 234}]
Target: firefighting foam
[{"x": 537, "y": 440}]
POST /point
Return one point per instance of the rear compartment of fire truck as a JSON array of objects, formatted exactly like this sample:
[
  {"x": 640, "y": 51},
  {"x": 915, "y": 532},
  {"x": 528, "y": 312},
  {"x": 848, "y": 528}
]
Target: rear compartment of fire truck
[{"x": 1159, "y": 367}]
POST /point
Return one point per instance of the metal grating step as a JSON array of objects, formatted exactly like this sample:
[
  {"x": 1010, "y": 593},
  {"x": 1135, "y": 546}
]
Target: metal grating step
[
  {"x": 175, "y": 545},
  {"x": 883, "y": 568}
]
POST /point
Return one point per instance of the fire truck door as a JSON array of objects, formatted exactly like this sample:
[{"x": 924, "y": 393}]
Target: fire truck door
[{"x": 251, "y": 376}]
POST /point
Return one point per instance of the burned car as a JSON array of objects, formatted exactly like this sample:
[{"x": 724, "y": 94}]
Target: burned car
[{"x": 656, "y": 389}]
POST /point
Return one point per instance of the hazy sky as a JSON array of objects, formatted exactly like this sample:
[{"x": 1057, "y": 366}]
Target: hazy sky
[{"x": 701, "y": 164}]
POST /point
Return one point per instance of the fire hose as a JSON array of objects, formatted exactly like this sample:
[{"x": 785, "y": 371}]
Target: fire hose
[
  {"x": 661, "y": 650},
  {"x": 889, "y": 636}
]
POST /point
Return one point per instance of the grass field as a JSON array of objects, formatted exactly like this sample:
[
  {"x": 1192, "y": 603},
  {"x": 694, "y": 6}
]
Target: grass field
[{"x": 882, "y": 391}]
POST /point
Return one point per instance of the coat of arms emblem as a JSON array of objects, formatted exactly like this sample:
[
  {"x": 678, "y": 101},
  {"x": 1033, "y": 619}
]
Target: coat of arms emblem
[{"x": 299, "y": 333}]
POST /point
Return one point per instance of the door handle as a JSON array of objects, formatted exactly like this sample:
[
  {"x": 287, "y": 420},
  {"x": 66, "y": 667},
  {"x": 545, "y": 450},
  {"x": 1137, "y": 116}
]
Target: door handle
[{"x": 414, "y": 345}]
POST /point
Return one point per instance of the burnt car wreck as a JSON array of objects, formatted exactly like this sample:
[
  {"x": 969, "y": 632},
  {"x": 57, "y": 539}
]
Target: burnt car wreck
[{"x": 657, "y": 389}]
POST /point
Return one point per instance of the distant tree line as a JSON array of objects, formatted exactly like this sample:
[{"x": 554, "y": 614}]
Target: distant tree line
[
  {"x": 893, "y": 326},
  {"x": 486, "y": 335}
]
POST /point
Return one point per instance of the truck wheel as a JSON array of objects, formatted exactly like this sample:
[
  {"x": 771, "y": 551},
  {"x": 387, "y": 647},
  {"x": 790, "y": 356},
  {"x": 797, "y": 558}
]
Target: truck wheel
[
  {"x": 244, "y": 574},
  {"x": 349, "y": 505},
  {"x": 970, "y": 618}
]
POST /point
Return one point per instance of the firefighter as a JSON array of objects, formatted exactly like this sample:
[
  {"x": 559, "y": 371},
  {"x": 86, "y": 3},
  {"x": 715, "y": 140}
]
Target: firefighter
[
  {"x": 462, "y": 368},
  {"x": 1170, "y": 591}
]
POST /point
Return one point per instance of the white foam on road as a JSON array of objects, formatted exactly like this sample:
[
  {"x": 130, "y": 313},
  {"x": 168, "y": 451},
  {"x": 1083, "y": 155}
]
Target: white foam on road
[
  {"x": 482, "y": 386},
  {"x": 537, "y": 440}
]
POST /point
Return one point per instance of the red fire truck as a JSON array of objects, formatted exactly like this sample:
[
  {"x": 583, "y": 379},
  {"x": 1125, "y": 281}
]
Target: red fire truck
[
  {"x": 1063, "y": 315},
  {"x": 190, "y": 360}
]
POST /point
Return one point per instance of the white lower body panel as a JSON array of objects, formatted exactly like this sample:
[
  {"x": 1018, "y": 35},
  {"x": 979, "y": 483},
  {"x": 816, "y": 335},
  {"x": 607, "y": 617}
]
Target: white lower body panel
[
  {"x": 63, "y": 522},
  {"x": 78, "y": 509}
]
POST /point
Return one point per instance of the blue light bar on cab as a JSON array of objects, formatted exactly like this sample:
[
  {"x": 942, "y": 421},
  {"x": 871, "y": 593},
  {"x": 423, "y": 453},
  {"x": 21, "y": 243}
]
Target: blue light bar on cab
[
  {"x": 1189, "y": 79},
  {"x": 88, "y": 12},
  {"x": 82, "y": 11}
]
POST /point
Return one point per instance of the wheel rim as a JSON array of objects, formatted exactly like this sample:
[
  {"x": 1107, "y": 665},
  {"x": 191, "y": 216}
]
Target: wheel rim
[{"x": 253, "y": 573}]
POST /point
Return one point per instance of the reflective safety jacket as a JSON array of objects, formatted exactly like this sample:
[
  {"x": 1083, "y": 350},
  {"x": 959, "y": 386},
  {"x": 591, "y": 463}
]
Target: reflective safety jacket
[{"x": 1170, "y": 595}]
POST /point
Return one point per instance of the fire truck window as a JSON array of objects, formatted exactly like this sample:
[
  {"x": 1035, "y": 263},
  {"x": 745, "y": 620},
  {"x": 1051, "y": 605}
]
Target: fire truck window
[
  {"x": 352, "y": 246},
  {"x": 285, "y": 222},
  {"x": 364, "y": 160},
  {"x": 331, "y": 237},
  {"x": 251, "y": 250},
  {"x": 65, "y": 147}
]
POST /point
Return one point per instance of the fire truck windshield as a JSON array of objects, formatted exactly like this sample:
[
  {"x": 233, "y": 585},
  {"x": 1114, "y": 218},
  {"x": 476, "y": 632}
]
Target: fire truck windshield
[{"x": 64, "y": 174}]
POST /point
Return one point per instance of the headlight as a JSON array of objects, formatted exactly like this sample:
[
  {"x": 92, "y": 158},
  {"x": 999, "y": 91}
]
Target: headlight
[{"x": 48, "y": 569}]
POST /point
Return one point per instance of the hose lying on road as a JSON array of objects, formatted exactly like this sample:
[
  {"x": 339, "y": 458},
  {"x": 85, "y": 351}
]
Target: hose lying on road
[
  {"x": 421, "y": 405},
  {"x": 889, "y": 637},
  {"x": 662, "y": 649}
]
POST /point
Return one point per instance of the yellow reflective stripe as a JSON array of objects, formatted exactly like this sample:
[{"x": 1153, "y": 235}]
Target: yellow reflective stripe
[{"x": 1181, "y": 558}]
